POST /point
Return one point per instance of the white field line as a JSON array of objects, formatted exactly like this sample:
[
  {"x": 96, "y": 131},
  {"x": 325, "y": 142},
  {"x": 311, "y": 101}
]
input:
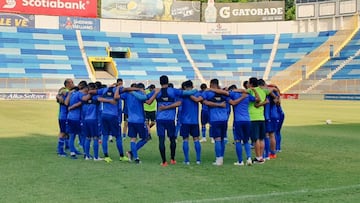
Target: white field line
[{"x": 273, "y": 194}]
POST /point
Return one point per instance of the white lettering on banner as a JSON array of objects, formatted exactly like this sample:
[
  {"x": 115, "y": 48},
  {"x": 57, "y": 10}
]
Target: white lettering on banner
[
  {"x": 225, "y": 12},
  {"x": 80, "y": 5}
]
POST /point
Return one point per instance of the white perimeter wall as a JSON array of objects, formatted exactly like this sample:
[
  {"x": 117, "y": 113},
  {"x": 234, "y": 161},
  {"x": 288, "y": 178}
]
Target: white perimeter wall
[{"x": 116, "y": 25}]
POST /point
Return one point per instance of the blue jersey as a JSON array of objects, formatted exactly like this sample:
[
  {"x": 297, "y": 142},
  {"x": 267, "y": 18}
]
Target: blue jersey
[
  {"x": 216, "y": 113},
  {"x": 166, "y": 97},
  {"x": 106, "y": 107},
  {"x": 241, "y": 110},
  {"x": 203, "y": 106},
  {"x": 75, "y": 114},
  {"x": 90, "y": 108},
  {"x": 267, "y": 109},
  {"x": 135, "y": 106},
  {"x": 63, "y": 109},
  {"x": 190, "y": 110}
]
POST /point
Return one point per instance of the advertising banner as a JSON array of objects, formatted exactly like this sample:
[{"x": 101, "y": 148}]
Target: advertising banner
[
  {"x": 81, "y": 8},
  {"x": 289, "y": 96},
  {"x": 17, "y": 20},
  {"x": 164, "y": 10},
  {"x": 24, "y": 96},
  {"x": 75, "y": 23},
  {"x": 342, "y": 97},
  {"x": 243, "y": 12}
]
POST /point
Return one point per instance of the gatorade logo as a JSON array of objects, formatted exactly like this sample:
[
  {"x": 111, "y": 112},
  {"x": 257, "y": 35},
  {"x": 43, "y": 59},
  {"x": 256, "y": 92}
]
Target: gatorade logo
[
  {"x": 10, "y": 4},
  {"x": 79, "y": 5}
]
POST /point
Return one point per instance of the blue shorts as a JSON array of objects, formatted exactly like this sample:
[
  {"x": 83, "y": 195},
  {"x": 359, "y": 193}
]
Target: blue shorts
[
  {"x": 91, "y": 128},
  {"x": 189, "y": 129},
  {"x": 257, "y": 130},
  {"x": 242, "y": 131},
  {"x": 218, "y": 129},
  {"x": 135, "y": 129},
  {"x": 62, "y": 125},
  {"x": 163, "y": 126},
  {"x": 204, "y": 117},
  {"x": 110, "y": 125},
  {"x": 270, "y": 126},
  {"x": 74, "y": 127}
]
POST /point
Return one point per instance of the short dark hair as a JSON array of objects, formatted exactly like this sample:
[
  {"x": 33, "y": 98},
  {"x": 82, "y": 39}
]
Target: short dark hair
[
  {"x": 188, "y": 83},
  {"x": 253, "y": 82},
  {"x": 140, "y": 85},
  {"x": 261, "y": 82},
  {"x": 119, "y": 80},
  {"x": 164, "y": 80},
  {"x": 203, "y": 86},
  {"x": 82, "y": 84},
  {"x": 152, "y": 86},
  {"x": 133, "y": 85},
  {"x": 214, "y": 82},
  {"x": 171, "y": 85},
  {"x": 245, "y": 84},
  {"x": 92, "y": 85},
  {"x": 232, "y": 87}
]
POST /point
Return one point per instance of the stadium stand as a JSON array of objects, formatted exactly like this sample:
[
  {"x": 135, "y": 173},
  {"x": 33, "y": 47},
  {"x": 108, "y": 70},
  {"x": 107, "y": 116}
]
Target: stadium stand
[
  {"x": 151, "y": 54},
  {"x": 230, "y": 56},
  {"x": 35, "y": 54}
]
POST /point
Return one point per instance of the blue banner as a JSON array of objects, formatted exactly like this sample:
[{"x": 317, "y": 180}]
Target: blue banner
[
  {"x": 17, "y": 20},
  {"x": 74, "y": 23},
  {"x": 342, "y": 96}
]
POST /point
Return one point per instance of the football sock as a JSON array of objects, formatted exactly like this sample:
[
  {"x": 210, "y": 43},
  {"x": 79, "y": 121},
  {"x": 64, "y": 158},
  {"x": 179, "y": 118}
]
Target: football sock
[
  {"x": 218, "y": 148},
  {"x": 105, "y": 139},
  {"x": 134, "y": 149},
  {"x": 203, "y": 132},
  {"x": 267, "y": 147},
  {"x": 197, "y": 146},
  {"x": 119, "y": 146},
  {"x": 278, "y": 140},
  {"x": 238, "y": 147},
  {"x": 66, "y": 140},
  {"x": 96, "y": 148},
  {"x": 223, "y": 144},
  {"x": 60, "y": 146},
  {"x": 248, "y": 150},
  {"x": 72, "y": 142},
  {"x": 87, "y": 146},
  {"x": 140, "y": 144},
  {"x": 173, "y": 147},
  {"x": 162, "y": 148},
  {"x": 186, "y": 150}
]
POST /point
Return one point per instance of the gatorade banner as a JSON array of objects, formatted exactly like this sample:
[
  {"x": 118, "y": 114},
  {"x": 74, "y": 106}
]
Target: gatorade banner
[
  {"x": 17, "y": 20},
  {"x": 81, "y": 8},
  {"x": 243, "y": 12},
  {"x": 163, "y": 10}
]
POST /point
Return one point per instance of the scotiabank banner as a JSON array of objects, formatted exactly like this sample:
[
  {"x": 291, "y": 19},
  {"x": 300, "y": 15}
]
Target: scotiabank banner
[
  {"x": 80, "y": 8},
  {"x": 243, "y": 12}
]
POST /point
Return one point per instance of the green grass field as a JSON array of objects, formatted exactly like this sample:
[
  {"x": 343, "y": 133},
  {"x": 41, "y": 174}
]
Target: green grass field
[{"x": 318, "y": 163}]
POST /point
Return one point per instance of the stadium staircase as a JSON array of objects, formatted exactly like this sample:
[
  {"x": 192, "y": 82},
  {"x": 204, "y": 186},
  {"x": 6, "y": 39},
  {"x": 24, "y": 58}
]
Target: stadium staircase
[
  {"x": 230, "y": 58},
  {"x": 272, "y": 57},
  {"x": 290, "y": 78}
]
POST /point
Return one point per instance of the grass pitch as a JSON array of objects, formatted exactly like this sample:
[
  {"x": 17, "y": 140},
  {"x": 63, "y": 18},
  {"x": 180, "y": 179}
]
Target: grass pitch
[{"x": 318, "y": 163}]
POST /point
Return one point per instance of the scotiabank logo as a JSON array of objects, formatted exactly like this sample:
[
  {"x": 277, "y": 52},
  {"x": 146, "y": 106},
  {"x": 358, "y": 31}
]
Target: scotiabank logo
[
  {"x": 10, "y": 4},
  {"x": 79, "y": 5}
]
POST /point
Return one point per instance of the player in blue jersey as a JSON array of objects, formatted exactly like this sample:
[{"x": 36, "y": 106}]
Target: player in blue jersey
[
  {"x": 62, "y": 118},
  {"x": 189, "y": 117},
  {"x": 109, "y": 121},
  {"x": 242, "y": 124},
  {"x": 90, "y": 109},
  {"x": 216, "y": 100},
  {"x": 74, "y": 102},
  {"x": 204, "y": 115},
  {"x": 167, "y": 102},
  {"x": 271, "y": 120},
  {"x": 136, "y": 119}
]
